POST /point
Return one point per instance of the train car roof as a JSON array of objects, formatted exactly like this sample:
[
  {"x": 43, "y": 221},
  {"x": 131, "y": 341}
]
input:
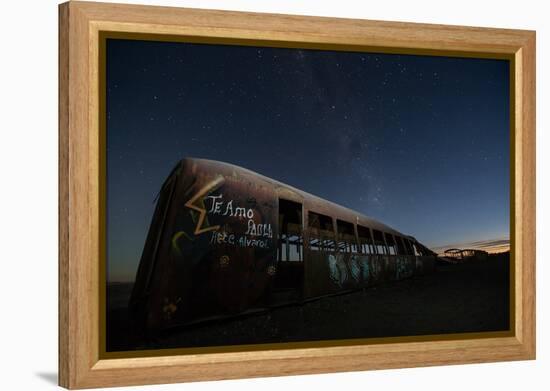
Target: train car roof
[{"x": 315, "y": 204}]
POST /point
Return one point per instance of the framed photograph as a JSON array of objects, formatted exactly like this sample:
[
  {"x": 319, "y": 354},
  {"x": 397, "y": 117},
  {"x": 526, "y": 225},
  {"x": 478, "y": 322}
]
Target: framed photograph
[{"x": 247, "y": 195}]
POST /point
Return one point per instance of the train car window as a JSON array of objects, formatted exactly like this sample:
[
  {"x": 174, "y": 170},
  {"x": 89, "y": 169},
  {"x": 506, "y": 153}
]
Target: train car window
[
  {"x": 321, "y": 232},
  {"x": 346, "y": 237},
  {"x": 291, "y": 244},
  {"x": 365, "y": 240},
  {"x": 392, "y": 248},
  {"x": 408, "y": 246},
  {"x": 379, "y": 244},
  {"x": 416, "y": 249},
  {"x": 400, "y": 246},
  {"x": 423, "y": 250}
]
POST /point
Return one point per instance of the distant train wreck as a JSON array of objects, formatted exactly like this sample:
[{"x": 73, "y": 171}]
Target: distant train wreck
[
  {"x": 225, "y": 240},
  {"x": 461, "y": 255}
]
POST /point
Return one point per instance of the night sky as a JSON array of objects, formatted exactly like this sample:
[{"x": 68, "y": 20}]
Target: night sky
[{"x": 420, "y": 143}]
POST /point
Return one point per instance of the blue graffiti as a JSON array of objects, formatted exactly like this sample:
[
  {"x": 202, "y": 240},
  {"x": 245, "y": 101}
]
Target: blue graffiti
[
  {"x": 338, "y": 272},
  {"x": 355, "y": 268},
  {"x": 366, "y": 270}
]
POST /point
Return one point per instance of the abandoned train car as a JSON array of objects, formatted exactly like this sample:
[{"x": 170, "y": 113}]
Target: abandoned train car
[{"x": 225, "y": 240}]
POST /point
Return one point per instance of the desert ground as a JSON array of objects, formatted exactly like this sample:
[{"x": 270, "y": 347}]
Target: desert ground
[{"x": 457, "y": 298}]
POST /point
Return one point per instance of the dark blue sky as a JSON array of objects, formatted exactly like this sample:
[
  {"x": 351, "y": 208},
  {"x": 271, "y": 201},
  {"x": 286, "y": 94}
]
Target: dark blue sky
[{"x": 420, "y": 143}]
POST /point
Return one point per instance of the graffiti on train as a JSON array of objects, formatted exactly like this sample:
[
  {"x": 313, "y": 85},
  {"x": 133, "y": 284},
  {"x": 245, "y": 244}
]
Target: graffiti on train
[
  {"x": 222, "y": 237},
  {"x": 405, "y": 267},
  {"x": 360, "y": 269},
  {"x": 337, "y": 269}
]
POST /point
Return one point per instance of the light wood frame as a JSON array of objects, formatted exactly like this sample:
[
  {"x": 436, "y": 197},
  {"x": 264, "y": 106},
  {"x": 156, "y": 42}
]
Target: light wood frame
[{"x": 80, "y": 23}]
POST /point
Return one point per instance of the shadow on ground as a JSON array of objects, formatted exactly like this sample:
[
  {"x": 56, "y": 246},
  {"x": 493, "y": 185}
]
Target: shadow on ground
[{"x": 460, "y": 298}]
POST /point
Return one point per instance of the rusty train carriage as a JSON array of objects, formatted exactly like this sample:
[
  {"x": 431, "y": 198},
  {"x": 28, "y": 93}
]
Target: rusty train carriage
[{"x": 225, "y": 240}]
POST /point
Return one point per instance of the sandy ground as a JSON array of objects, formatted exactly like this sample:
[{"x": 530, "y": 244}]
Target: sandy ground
[{"x": 461, "y": 298}]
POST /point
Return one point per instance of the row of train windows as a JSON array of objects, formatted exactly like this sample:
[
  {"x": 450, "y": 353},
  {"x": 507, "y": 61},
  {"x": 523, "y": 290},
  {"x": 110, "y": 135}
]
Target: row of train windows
[
  {"x": 368, "y": 241},
  {"x": 322, "y": 238}
]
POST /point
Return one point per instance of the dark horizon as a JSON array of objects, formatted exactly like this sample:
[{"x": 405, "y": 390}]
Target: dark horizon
[{"x": 419, "y": 143}]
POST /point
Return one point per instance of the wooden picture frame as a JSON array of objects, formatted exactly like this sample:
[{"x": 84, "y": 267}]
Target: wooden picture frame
[{"x": 81, "y": 24}]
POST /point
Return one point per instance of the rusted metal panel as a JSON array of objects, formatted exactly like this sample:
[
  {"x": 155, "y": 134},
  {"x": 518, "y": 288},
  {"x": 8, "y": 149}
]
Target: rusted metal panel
[
  {"x": 425, "y": 264},
  {"x": 217, "y": 252},
  {"x": 328, "y": 273}
]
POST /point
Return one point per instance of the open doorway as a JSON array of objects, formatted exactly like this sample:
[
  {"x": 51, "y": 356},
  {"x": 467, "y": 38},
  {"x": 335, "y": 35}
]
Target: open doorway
[{"x": 289, "y": 279}]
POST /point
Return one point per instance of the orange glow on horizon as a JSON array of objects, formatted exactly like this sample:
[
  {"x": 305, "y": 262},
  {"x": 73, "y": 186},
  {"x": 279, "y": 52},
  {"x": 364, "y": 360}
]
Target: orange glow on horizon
[{"x": 493, "y": 246}]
